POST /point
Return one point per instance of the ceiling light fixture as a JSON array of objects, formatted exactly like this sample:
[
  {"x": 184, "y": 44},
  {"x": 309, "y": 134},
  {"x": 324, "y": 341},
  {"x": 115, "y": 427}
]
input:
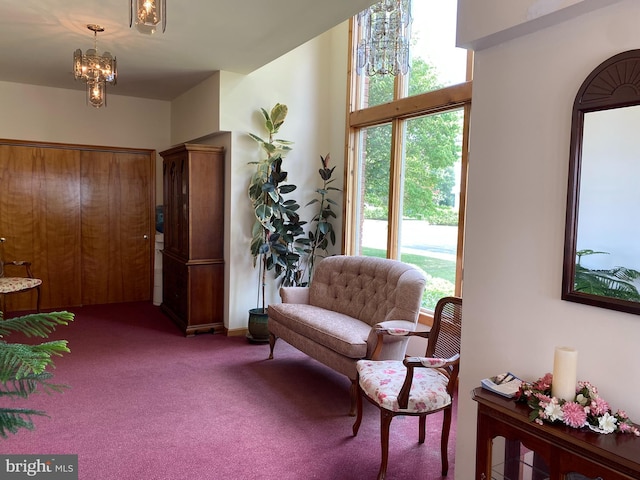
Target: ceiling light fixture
[
  {"x": 95, "y": 69},
  {"x": 148, "y": 14},
  {"x": 383, "y": 46}
]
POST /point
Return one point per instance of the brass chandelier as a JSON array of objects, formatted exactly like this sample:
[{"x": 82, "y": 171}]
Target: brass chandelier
[
  {"x": 148, "y": 14},
  {"x": 95, "y": 70},
  {"x": 383, "y": 46}
]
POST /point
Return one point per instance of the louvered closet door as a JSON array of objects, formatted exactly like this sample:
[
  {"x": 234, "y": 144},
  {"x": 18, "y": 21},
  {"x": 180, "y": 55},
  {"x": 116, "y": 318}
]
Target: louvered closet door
[
  {"x": 116, "y": 227},
  {"x": 83, "y": 216},
  {"x": 40, "y": 219}
]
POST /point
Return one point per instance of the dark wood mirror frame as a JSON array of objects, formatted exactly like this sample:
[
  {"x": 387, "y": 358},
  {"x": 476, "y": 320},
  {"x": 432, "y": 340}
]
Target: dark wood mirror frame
[{"x": 615, "y": 83}]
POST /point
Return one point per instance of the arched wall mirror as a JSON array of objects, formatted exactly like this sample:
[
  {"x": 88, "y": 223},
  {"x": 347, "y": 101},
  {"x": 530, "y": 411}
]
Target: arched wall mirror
[{"x": 602, "y": 232}]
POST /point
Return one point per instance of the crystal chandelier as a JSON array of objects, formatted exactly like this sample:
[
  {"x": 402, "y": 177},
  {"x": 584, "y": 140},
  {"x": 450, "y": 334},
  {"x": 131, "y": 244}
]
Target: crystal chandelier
[
  {"x": 383, "y": 48},
  {"x": 95, "y": 69},
  {"x": 148, "y": 14}
]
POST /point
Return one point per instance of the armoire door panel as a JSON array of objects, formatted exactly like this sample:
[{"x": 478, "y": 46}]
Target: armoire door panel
[
  {"x": 193, "y": 256},
  {"x": 40, "y": 219},
  {"x": 116, "y": 227}
]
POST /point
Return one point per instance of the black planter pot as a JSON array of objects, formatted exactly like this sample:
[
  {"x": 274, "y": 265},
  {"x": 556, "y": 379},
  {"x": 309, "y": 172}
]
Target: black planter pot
[{"x": 258, "y": 332}]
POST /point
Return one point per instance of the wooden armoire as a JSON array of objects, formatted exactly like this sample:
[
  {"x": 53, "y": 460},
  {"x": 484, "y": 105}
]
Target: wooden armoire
[{"x": 193, "y": 254}]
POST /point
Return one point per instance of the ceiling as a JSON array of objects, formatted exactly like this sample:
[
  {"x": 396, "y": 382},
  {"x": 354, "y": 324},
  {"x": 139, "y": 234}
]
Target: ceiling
[{"x": 38, "y": 38}]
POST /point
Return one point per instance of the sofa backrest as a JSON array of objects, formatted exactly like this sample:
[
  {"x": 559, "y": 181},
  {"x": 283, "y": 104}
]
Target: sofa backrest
[{"x": 367, "y": 288}]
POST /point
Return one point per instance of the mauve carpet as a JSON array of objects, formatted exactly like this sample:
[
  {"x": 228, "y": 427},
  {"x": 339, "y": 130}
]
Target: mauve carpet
[{"x": 147, "y": 403}]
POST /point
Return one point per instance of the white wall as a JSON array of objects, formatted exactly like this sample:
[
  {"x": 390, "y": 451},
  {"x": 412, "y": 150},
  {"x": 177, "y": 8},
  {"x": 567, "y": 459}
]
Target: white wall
[
  {"x": 490, "y": 22},
  {"x": 311, "y": 81},
  {"x": 196, "y": 113},
  {"x": 222, "y": 110},
  {"x": 44, "y": 114},
  {"x": 59, "y": 115},
  {"x": 520, "y": 128}
]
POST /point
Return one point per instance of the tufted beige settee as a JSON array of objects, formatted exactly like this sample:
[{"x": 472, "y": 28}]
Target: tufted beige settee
[{"x": 332, "y": 320}]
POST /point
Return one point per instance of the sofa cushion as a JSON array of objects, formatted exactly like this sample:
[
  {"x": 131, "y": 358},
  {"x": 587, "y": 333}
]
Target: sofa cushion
[
  {"x": 341, "y": 333},
  {"x": 370, "y": 289}
]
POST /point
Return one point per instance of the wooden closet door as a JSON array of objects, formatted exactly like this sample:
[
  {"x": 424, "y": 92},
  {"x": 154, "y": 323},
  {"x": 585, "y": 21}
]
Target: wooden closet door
[
  {"x": 40, "y": 219},
  {"x": 116, "y": 226}
]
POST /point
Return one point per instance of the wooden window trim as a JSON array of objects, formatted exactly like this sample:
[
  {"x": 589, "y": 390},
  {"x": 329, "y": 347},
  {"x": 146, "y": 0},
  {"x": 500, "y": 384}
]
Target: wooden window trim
[{"x": 394, "y": 112}]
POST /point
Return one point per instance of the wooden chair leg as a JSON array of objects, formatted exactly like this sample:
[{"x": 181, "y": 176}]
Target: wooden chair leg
[
  {"x": 444, "y": 445},
  {"x": 272, "y": 343},
  {"x": 354, "y": 397},
  {"x": 423, "y": 428},
  {"x": 38, "y": 299},
  {"x": 356, "y": 425},
  {"x": 385, "y": 423}
]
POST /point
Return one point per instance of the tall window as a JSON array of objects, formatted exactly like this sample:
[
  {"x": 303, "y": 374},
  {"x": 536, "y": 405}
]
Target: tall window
[{"x": 407, "y": 155}]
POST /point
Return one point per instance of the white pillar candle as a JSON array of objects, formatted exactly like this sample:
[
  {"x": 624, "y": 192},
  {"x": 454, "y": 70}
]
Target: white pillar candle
[{"x": 565, "y": 364}]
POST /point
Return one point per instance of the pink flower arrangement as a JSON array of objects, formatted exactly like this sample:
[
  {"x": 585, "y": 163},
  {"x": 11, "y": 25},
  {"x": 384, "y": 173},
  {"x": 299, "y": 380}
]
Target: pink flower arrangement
[{"x": 587, "y": 409}]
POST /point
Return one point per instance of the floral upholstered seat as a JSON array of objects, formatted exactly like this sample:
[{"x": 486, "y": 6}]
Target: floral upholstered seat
[
  {"x": 18, "y": 284},
  {"x": 382, "y": 382},
  {"x": 11, "y": 285}
]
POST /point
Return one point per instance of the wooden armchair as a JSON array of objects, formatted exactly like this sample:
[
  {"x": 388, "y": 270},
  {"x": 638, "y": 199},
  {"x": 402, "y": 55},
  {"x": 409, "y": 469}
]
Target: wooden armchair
[
  {"x": 417, "y": 386},
  {"x": 19, "y": 284}
]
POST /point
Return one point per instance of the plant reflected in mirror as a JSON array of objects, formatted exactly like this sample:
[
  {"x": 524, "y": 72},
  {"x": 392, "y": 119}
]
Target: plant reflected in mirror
[{"x": 616, "y": 282}]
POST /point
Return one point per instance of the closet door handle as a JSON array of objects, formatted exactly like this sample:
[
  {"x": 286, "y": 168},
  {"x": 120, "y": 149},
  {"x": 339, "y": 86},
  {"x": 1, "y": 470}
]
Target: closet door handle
[{"x": 146, "y": 237}]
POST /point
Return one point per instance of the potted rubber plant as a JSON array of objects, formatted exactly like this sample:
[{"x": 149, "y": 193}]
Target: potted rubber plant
[
  {"x": 279, "y": 242},
  {"x": 276, "y": 223}
]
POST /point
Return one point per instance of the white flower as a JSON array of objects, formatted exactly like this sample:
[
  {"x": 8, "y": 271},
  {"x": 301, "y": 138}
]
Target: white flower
[
  {"x": 607, "y": 423},
  {"x": 553, "y": 411},
  {"x": 582, "y": 400}
]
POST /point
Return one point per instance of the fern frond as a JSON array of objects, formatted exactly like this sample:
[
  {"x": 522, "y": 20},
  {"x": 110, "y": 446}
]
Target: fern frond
[
  {"x": 13, "y": 419},
  {"x": 23, "y": 387},
  {"x": 18, "y": 360},
  {"x": 27, "y": 385},
  {"x": 35, "y": 324}
]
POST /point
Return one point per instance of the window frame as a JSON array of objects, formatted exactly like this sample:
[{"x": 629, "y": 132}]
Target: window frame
[{"x": 396, "y": 112}]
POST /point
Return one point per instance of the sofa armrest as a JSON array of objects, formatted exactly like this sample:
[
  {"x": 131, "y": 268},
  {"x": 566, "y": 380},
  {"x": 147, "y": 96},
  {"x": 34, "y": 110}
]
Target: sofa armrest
[
  {"x": 298, "y": 295},
  {"x": 388, "y": 340}
]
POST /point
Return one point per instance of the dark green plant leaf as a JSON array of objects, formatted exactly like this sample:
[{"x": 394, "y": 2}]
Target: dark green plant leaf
[
  {"x": 287, "y": 188},
  {"x": 323, "y": 227}
]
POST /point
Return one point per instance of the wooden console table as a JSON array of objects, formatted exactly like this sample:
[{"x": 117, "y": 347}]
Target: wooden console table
[{"x": 510, "y": 446}]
